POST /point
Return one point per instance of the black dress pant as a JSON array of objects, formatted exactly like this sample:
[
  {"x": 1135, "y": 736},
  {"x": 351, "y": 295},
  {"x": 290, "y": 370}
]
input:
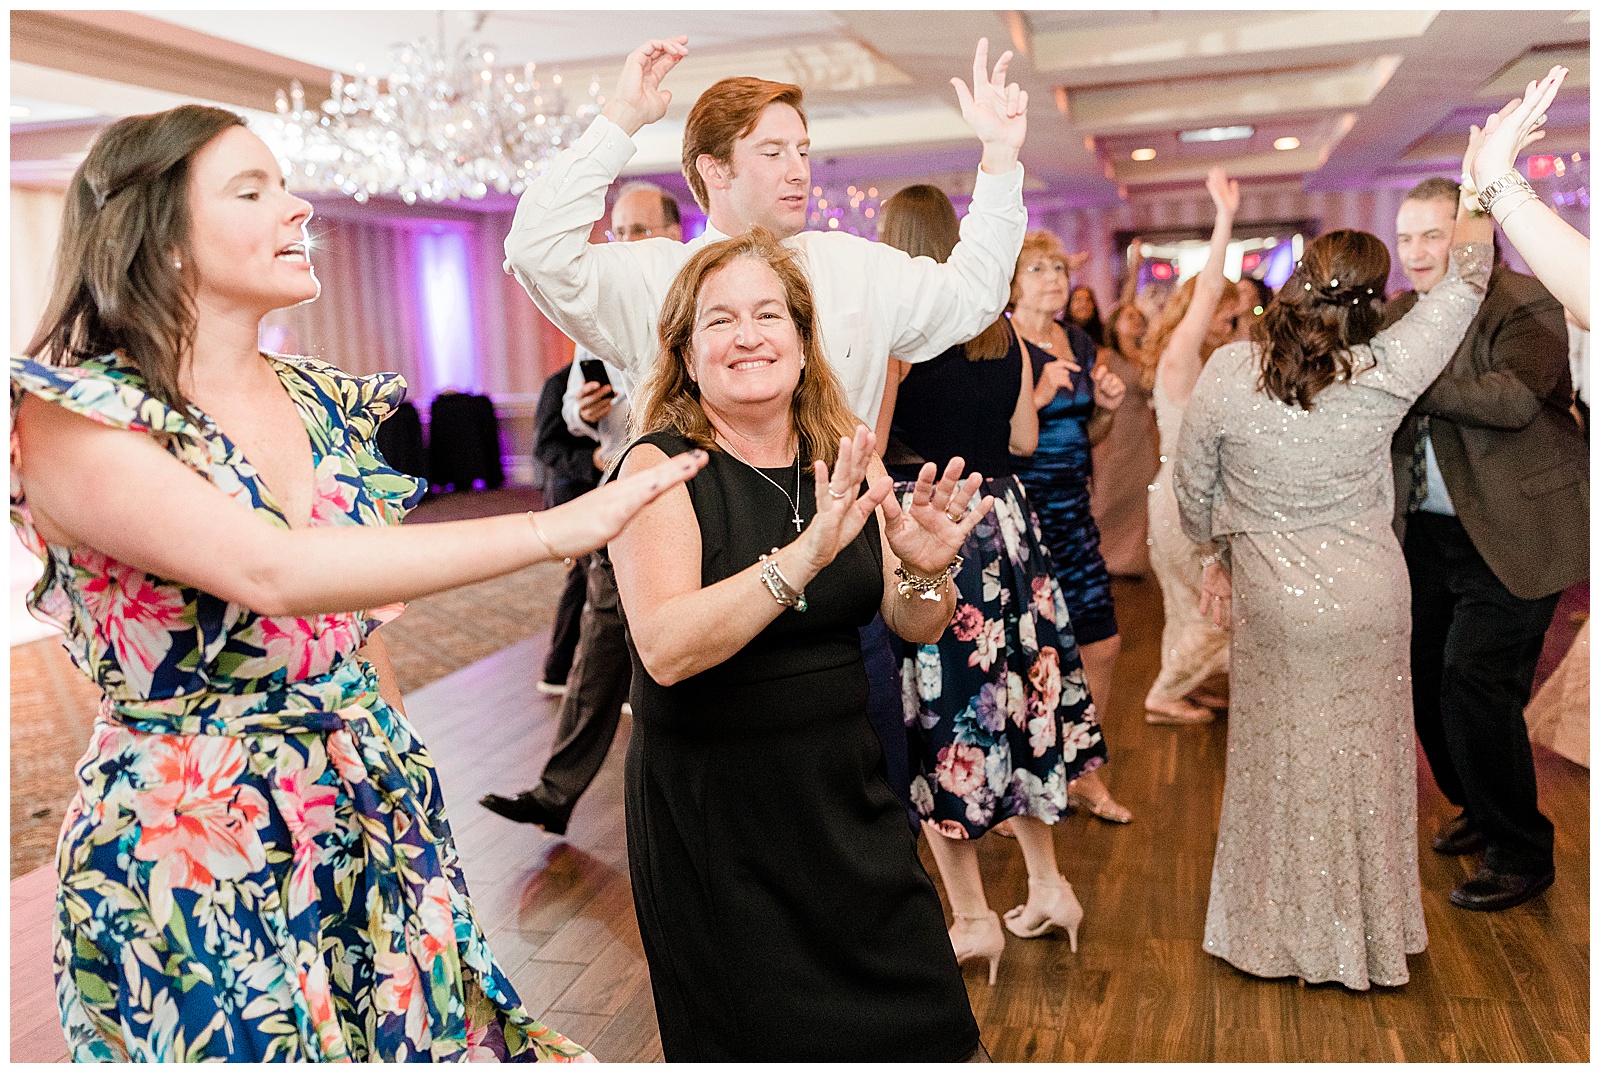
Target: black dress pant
[
  {"x": 597, "y": 686},
  {"x": 1474, "y": 649},
  {"x": 565, "y": 629}
]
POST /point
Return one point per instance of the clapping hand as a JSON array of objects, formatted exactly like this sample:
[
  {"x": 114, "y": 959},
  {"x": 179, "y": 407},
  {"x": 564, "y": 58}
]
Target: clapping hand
[
  {"x": 927, "y": 534},
  {"x": 639, "y": 98},
  {"x": 842, "y": 509},
  {"x": 1513, "y": 129},
  {"x": 996, "y": 112},
  {"x": 1109, "y": 388}
]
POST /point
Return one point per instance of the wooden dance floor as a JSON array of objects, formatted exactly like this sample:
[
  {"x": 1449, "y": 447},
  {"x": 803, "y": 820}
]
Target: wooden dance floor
[{"x": 1510, "y": 986}]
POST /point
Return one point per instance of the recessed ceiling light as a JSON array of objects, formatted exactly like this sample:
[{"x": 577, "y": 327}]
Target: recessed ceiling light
[
  {"x": 1290, "y": 142},
  {"x": 1216, "y": 134},
  {"x": 20, "y": 111},
  {"x": 1143, "y": 154}
]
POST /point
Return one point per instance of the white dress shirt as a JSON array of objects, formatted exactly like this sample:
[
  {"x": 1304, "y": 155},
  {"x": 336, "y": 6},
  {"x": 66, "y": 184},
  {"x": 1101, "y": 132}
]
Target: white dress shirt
[{"x": 872, "y": 300}]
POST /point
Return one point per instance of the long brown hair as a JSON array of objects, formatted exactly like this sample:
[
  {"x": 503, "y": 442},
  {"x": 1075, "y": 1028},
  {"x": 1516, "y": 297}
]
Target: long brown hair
[
  {"x": 726, "y": 112},
  {"x": 1134, "y": 350},
  {"x": 1172, "y": 313},
  {"x": 669, "y": 399},
  {"x": 116, "y": 286},
  {"x": 1329, "y": 305},
  {"x": 921, "y": 221}
]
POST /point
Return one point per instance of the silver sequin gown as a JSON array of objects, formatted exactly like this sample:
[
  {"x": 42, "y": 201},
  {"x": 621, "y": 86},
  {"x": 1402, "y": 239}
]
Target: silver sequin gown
[{"x": 1316, "y": 866}]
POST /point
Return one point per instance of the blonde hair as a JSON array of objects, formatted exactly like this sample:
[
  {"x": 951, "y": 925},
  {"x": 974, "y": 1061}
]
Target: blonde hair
[
  {"x": 1167, "y": 321},
  {"x": 1036, "y": 244},
  {"x": 669, "y": 400}
]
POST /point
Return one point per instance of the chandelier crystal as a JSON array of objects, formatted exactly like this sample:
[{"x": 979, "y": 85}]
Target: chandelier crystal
[{"x": 445, "y": 124}]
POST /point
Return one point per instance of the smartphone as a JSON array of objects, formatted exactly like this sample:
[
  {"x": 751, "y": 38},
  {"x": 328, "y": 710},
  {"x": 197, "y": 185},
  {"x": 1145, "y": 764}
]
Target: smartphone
[{"x": 594, "y": 371}]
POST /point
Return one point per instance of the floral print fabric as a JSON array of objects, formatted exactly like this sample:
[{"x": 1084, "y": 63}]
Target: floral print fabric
[
  {"x": 257, "y": 865},
  {"x": 998, "y": 711}
]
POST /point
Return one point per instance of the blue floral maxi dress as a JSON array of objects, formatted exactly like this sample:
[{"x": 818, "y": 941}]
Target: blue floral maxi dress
[
  {"x": 257, "y": 864},
  {"x": 998, "y": 712}
]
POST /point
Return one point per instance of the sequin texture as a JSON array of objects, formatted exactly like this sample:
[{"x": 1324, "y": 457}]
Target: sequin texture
[{"x": 1316, "y": 866}]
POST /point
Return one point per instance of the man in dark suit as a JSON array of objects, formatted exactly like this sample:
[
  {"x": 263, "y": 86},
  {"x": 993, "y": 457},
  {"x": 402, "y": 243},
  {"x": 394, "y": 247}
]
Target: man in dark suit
[
  {"x": 569, "y": 473},
  {"x": 1492, "y": 508}
]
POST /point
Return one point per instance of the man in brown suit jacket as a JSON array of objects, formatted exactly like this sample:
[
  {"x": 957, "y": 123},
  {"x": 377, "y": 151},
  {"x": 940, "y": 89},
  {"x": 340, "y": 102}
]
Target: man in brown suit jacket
[{"x": 1492, "y": 509}]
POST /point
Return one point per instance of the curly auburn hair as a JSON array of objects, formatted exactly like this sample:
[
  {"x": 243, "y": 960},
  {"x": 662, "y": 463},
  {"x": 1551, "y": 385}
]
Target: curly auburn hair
[{"x": 1330, "y": 304}]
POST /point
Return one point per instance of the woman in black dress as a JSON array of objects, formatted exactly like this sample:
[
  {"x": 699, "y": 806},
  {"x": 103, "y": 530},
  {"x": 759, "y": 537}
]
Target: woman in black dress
[
  {"x": 784, "y": 912},
  {"x": 997, "y": 709}
]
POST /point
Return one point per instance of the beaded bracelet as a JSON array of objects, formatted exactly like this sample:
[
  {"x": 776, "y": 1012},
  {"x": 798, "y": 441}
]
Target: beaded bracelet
[
  {"x": 778, "y": 585},
  {"x": 928, "y": 588}
]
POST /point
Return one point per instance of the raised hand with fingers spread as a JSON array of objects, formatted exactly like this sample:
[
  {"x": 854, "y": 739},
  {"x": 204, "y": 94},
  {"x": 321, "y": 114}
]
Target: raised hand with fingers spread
[
  {"x": 926, "y": 533},
  {"x": 996, "y": 110}
]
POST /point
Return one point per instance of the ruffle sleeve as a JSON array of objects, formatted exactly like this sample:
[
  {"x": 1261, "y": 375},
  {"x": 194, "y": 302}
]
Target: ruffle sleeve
[{"x": 364, "y": 402}]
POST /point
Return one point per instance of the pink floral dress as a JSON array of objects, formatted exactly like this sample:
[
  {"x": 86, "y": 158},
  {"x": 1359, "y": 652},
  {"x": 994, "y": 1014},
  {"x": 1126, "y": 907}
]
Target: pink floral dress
[{"x": 257, "y": 865}]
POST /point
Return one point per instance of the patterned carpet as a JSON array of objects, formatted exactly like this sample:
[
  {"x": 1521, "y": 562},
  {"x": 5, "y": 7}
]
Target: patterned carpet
[{"x": 53, "y": 704}]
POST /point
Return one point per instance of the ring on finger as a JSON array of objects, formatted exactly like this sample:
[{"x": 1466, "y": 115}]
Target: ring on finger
[
  {"x": 836, "y": 495},
  {"x": 955, "y": 515}
]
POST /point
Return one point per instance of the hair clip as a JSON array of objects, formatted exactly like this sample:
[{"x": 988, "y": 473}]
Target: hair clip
[
  {"x": 1333, "y": 283},
  {"x": 1308, "y": 285}
]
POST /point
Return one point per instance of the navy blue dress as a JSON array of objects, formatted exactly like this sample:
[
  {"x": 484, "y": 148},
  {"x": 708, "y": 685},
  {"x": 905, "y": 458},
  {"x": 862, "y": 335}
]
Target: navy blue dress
[{"x": 1057, "y": 478}]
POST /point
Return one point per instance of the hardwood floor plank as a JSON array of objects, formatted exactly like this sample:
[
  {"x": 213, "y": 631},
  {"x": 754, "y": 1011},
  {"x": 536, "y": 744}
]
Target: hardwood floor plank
[
  {"x": 632, "y": 1035},
  {"x": 1495, "y": 1030},
  {"x": 540, "y": 983},
  {"x": 606, "y": 983}
]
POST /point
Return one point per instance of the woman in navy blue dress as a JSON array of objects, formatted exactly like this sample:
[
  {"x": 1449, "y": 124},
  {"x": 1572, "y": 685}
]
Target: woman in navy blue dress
[
  {"x": 998, "y": 709},
  {"x": 1075, "y": 399}
]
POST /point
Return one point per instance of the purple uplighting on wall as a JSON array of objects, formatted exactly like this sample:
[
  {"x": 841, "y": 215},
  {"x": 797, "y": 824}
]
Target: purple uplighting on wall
[{"x": 444, "y": 288}]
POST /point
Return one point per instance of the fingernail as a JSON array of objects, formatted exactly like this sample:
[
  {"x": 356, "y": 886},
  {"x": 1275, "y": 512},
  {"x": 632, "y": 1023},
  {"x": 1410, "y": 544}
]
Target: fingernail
[{"x": 699, "y": 455}]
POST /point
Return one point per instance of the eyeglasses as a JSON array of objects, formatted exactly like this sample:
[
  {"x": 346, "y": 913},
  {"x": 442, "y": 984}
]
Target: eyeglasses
[
  {"x": 1046, "y": 266},
  {"x": 629, "y": 234}
]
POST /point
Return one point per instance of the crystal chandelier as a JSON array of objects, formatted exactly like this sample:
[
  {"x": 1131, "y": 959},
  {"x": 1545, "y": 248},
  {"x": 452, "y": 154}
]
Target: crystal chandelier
[{"x": 446, "y": 124}]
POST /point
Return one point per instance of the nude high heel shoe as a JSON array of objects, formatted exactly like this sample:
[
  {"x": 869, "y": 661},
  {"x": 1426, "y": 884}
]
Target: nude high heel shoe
[
  {"x": 978, "y": 937},
  {"x": 1051, "y": 904}
]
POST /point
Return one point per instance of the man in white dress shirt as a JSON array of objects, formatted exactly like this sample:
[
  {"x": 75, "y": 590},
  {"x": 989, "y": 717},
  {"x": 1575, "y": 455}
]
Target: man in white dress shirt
[{"x": 746, "y": 157}]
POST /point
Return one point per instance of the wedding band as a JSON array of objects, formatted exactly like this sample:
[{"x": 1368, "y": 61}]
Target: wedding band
[
  {"x": 955, "y": 517},
  {"x": 836, "y": 495}
]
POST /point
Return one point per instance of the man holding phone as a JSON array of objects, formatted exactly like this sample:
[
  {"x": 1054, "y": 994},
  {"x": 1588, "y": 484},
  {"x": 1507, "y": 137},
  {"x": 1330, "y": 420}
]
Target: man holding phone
[{"x": 595, "y": 407}]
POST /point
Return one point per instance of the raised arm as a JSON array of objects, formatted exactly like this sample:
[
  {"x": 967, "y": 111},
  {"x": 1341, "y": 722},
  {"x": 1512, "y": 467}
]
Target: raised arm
[
  {"x": 931, "y": 306},
  {"x": 1557, "y": 252},
  {"x": 1410, "y": 353},
  {"x": 1180, "y": 361},
  {"x": 90, "y": 485},
  {"x": 605, "y": 297}
]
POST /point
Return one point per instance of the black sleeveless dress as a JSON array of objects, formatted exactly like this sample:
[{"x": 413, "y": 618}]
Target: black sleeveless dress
[{"x": 784, "y": 911}]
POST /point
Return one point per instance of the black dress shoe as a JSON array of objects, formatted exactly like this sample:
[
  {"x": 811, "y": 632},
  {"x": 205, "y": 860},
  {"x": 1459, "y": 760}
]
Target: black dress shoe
[
  {"x": 1489, "y": 890},
  {"x": 1459, "y": 837},
  {"x": 525, "y": 808}
]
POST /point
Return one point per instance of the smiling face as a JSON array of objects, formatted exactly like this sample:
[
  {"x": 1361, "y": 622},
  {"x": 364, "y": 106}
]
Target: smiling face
[
  {"x": 768, "y": 181},
  {"x": 247, "y": 235},
  {"x": 746, "y": 349},
  {"x": 1423, "y": 230}
]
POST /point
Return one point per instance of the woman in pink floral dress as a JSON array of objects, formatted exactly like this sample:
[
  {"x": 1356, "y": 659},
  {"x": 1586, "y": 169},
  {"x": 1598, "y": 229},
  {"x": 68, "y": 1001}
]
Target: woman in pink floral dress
[{"x": 257, "y": 865}]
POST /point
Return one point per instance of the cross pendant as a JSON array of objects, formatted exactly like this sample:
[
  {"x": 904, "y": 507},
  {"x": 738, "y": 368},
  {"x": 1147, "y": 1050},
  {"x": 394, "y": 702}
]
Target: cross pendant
[{"x": 796, "y": 521}]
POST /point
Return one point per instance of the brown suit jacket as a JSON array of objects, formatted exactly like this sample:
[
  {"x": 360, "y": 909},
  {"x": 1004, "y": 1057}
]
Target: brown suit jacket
[{"x": 1512, "y": 455}]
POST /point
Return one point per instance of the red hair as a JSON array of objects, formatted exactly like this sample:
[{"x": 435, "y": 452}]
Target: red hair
[{"x": 726, "y": 112}]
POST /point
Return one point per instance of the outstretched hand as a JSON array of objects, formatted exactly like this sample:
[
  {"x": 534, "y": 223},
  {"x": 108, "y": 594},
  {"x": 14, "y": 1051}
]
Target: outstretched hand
[
  {"x": 594, "y": 519},
  {"x": 1514, "y": 128},
  {"x": 842, "y": 508},
  {"x": 639, "y": 98},
  {"x": 995, "y": 110},
  {"x": 1224, "y": 192},
  {"x": 927, "y": 534}
]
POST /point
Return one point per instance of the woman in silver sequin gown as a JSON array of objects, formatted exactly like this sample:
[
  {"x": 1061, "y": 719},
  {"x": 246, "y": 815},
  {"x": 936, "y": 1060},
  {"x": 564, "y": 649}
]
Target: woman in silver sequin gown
[{"x": 1315, "y": 873}]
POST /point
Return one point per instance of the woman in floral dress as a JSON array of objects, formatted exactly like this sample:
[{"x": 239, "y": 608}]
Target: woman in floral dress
[
  {"x": 258, "y": 864},
  {"x": 998, "y": 710}
]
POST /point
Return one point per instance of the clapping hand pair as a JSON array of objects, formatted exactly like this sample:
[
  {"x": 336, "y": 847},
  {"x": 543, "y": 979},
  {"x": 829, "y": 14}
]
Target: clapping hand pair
[{"x": 925, "y": 536}]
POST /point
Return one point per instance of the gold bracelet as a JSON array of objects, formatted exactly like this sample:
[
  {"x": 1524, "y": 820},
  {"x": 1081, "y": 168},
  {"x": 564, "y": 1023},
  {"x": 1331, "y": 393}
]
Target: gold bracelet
[
  {"x": 533, "y": 520},
  {"x": 1503, "y": 215}
]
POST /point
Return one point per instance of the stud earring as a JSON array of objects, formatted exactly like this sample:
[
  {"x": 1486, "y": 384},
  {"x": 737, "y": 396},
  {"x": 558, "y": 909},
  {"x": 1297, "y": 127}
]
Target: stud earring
[{"x": 177, "y": 263}]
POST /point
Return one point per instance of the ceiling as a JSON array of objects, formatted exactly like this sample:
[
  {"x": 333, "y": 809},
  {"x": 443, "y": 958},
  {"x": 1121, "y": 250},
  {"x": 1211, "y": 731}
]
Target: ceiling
[{"x": 1372, "y": 97}]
